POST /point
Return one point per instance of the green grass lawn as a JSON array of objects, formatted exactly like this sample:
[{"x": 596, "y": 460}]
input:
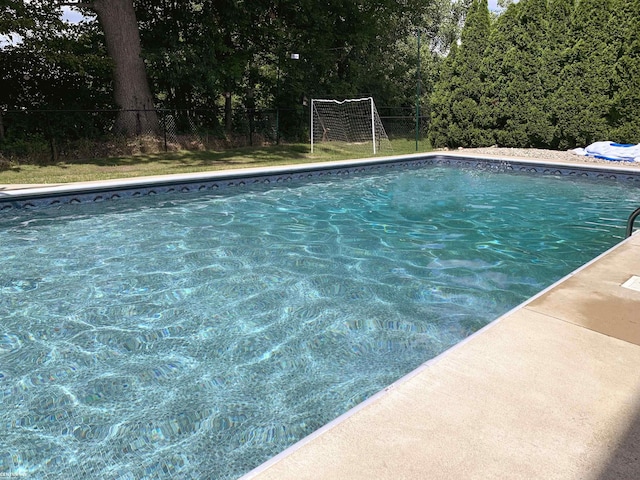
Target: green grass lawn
[{"x": 179, "y": 162}]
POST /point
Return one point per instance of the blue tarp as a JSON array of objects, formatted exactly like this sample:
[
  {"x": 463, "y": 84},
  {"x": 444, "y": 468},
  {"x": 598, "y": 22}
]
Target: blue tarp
[{"x": 616, "y": 152}]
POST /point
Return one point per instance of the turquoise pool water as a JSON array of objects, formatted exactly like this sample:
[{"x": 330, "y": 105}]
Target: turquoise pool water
[{"x": 195, "y": 336}]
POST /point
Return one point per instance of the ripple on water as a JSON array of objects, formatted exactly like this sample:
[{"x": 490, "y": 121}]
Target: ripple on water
[
  {"x": 9, "y": 343},
  {"x": 108, "y": 390}
]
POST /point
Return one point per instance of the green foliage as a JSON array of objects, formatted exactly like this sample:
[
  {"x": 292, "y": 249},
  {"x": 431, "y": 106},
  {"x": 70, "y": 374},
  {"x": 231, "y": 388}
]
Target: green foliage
[
  {"x": 441, "y": 103},
  {"x": 555, "y": 74},
  {"x": 459, "y": 109},
  {"x": 583, "y": 100},
  {"x": 542, "y": 73},
  {"x": 197, "y": 51},
  {"x": 516, "y": 76},
  {"x": 557, "y": 54},
  {"x": 210, "y": 53},
  {"x": 55, "y": 66},
  {"x": 624, "y": 115}
]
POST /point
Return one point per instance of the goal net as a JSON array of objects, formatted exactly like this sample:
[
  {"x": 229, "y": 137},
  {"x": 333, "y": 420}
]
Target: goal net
[{"x": 351, "y": 126}]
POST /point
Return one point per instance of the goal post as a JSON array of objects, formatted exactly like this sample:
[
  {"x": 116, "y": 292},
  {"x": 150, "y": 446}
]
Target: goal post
[{"x": 353, "y": 125}]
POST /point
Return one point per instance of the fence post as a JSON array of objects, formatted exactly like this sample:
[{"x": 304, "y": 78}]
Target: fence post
[
  {"x": 52, "y": 141},
  {"x": 250, "y": 113},
  {"x": 164, "y": 129}
]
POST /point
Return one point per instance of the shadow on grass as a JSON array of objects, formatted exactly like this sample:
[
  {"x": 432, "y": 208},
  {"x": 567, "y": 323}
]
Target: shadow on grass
[
  {"x": 165, "y": 163},
  {"x": 233, "y": 157},
  {"x": 68, "y": 170}
]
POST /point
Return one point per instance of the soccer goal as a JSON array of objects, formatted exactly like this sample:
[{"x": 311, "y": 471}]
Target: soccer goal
[{"x": 352, "y": 125}]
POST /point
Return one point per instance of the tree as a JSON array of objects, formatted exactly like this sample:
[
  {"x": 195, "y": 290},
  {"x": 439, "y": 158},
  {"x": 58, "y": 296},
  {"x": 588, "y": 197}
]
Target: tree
[
  {"x": 132, "y": 94},
  {"x": 625, "y": 106},
  {"x": 516, "y": 76},
  {"x": 194, "y": 54},
  {"x": 556, "y": 56},
  {"x": 441, "y": 103},
  {"x": 459, "y": 105},
  {"x": 13, "y": 18},
  {"x": 584, "y": 100},
  {"x": 199, "y": 52},
  {"x": 556, "y": 73},
  {"x": 53, "y": 66}
]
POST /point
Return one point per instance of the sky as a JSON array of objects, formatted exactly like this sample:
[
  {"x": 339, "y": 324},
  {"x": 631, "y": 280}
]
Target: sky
[
  {"x": 72, "y": 16},
  {"x": 493, "y": 5}
]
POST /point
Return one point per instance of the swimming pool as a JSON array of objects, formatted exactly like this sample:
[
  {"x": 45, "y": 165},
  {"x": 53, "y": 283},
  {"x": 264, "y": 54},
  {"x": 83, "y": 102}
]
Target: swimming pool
[{"x": 197, "y": 335}]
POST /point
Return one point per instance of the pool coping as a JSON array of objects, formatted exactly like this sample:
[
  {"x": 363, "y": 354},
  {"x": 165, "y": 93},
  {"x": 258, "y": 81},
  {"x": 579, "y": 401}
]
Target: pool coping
[
  {"x": 356, "y": 444},
  {"x": 14, "y": 197}
]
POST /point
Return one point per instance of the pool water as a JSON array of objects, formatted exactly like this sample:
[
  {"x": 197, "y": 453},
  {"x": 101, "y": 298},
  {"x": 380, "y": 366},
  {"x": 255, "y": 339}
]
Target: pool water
[{"x": 196, "y": 336}]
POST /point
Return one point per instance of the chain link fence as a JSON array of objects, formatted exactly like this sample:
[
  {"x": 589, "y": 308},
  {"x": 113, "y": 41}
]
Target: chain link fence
[
  {"x": 49, "y": 136},
  {"x": 401, "y": 123}
]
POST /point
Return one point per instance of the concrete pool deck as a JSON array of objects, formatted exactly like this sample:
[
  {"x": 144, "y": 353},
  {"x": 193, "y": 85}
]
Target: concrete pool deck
[{"x": 549, "y": 390}]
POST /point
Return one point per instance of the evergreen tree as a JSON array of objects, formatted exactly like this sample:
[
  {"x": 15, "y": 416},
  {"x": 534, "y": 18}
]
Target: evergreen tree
[
  {"x": 584, "y": 101},
  {"x": 457, "y": 104},
  {"x": 441, "y": 102},
  {"x": 556, "y": 73},
  {"x": 555, "y": 57},
  {"x": 625, "y": 108},
  {"x": 517, "y": 76}
]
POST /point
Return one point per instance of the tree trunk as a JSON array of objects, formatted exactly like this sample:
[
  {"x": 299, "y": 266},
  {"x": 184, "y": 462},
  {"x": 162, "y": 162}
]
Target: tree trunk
[
  {"x": 1, "y": 128},
  {"x": 131, "y": 86}
]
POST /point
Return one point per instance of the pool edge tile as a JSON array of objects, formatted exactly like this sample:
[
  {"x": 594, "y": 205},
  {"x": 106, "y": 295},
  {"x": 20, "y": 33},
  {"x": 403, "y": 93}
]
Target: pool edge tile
[{"x": 39, "y": 196}]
